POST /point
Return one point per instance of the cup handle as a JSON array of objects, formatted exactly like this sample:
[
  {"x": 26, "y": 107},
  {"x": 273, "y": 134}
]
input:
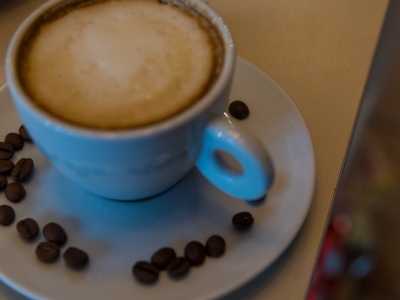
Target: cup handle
[{"x": 257, "y": 172}]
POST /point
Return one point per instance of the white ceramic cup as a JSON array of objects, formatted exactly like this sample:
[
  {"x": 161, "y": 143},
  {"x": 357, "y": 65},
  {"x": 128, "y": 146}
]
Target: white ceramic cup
[{"x": 142, "y": 162}]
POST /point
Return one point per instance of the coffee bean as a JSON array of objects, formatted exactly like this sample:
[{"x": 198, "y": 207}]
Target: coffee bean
[
  {"x": 145, "y": 272},
  {"x": 15, "y": 140},
  {"x": 195, "y": 253},
  {"x": 6, "y": 150},
  {"x": 24, "y": 133},
  {"x": 28, "y": 229},
  {"x": 15, "y": 192},
  {"x": 215, "y": 246},
  {"x": 6, "y": 166},
  {"x": 3, "y": 182},
  {"x": 239, "y": 110},
  {"x": 22, "y": 170},
  {"x": 75, "y": 258},
  {"x": 178, "y": 267},
  {"x": 53, "y": 232},
  {"x": 47, "y": 251},
  {"x": 242, "y": 220},
  {"x": 7, "y": 215},
  {"x": 162, "y": 257}
]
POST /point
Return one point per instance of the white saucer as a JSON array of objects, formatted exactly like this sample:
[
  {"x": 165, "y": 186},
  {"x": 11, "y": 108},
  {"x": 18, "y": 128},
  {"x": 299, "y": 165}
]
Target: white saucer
[{"x": 117, "y": 234}]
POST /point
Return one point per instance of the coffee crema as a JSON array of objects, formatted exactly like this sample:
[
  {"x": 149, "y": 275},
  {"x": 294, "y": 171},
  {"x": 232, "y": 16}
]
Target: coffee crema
[{"x": 120, "y": 64}]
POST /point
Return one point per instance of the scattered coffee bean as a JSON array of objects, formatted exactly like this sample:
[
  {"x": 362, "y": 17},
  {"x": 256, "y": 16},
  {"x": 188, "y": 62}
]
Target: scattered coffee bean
[
  {"x": 178, "y": 267},
  {"x": 75, "y": 258},
  {"x": 7, "y": 215},
  {"x": 22, "y": 170},
  {"x": 242, "y": 220},
  {"x": 145, "y": 272},
  {"x": 47, "y": 251},
  {"x": 195, "y": 253},
  {"x": 163, "y": 1},
  {"x": 15, "y": 192},
  {"x": 15, "y": 140},
  {"x": 28, "y": 229},
  {"x": 215, "y": 246},
  {"x": 6, "y": 166},
  {"x": 3, "y": 182},
  {"x": 239, "y": 110},
  {"x": 6, "y": 150},
  {"x": 53, "y": 232},
  {"x": 162, "y": 257},
  {"x": 24, "y": 133}
]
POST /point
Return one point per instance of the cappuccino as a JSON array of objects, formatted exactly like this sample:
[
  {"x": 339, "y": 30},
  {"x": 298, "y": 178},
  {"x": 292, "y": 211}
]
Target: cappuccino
[{"x": 120, "y": 64}]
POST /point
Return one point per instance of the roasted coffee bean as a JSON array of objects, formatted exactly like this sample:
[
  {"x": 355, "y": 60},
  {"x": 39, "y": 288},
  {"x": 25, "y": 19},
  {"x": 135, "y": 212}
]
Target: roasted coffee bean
[
  {"x": 47, "y": 251},
  {"x": 195, "y": 253},
  {"x": 53, "y": 232},
  {"x": 242, "y": 220},
  {"x": 7, "y": 215},
  {"x": 178, "y": 267},
  {"x": 3, "y": 182},
  {"x": 15, "y": 192},
  {"x": 22, "y": 170},
  {"x": 215, "y": 246},
  {"x": 145, "y": 272},
  {"x": 24, "y": 133},
  {"x": 75, "y": 258},
  {"x": 6, "y": 166},
  {"x": 6, "y": 150},
  {"x": 15, "y": 140},
  {"x": 239, "y": 110},
  {"x": 162, "y": 257},
  {"x": 28, "y": 229}
]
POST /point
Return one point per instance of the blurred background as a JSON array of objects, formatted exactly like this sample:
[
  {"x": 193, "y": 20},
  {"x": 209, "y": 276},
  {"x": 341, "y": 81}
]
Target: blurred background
[{"x": 360, "y": 255}]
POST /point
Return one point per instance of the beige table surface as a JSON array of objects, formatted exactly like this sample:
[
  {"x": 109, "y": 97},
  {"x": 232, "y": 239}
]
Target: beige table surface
[{"x": 320, "y": 52}]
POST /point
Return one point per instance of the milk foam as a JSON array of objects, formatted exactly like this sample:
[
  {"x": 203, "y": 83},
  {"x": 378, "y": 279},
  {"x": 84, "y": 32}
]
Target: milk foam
[{"x": 119, "y": 64}]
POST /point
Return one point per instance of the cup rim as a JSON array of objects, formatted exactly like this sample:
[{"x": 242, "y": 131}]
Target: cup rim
[{"x": 218, "y": 88}]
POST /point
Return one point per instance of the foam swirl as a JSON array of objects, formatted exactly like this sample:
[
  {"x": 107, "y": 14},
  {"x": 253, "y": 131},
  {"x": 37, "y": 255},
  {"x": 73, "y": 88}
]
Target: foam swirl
[{"x": 119, "y": 64}]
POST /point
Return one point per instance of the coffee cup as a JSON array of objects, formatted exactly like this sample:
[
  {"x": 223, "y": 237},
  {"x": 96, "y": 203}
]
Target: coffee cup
[{"x": 138, "y": 160}]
